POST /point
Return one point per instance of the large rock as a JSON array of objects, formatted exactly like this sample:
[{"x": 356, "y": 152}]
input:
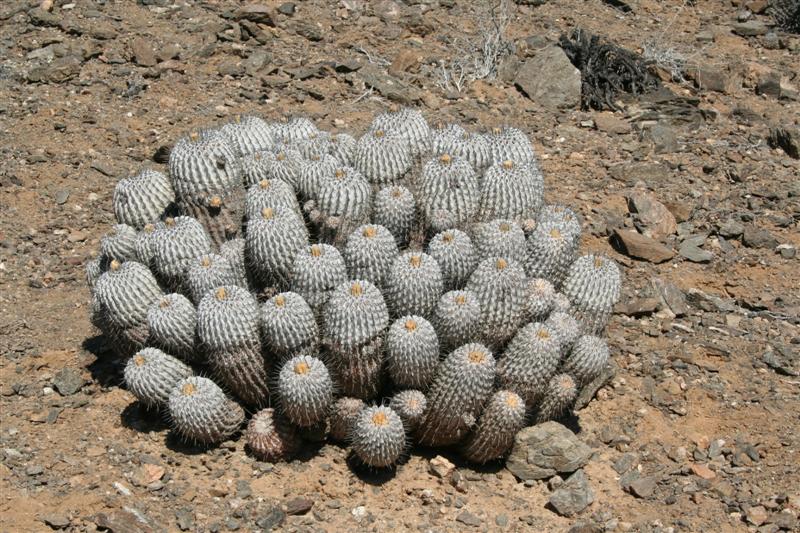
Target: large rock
[
  {"x": 545, "y": 450},
  {"x": 653, "y": 217},
  {"x": 573, "y": 496},
  {"x": 550, "y": 79},
  {"x": 636, "y": 245}
]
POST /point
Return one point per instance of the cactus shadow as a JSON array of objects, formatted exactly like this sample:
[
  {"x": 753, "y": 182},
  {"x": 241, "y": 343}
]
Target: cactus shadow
[
  {"x": 572, "y": 422},
  {"x": 178, "y": 444},
  {"x": 368, "y": 474},
  {"x": 143, "y": 419},
  {"x": 452, "y": 455},
  {"x": 106, "y": 369}
]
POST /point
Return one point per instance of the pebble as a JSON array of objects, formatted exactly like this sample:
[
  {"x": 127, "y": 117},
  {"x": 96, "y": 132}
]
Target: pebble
[
  {"x": 298, "y": 506},
  {"x": 271, "y": 519},
  {"x": 62, "y": 196},
  {"x": 56, "y": 520},
  {"x": 703, "y": 471},
  {"x": 541, "y": 451},
  {"x": 573, "y": 496},
  {"x": 68, "y": 381},
  {"x": 639, "y": 246},
  {"x": 643, "y": 487},
  {"x": 465, "y": 517},
  {"x": 440, "y": 467},
  {"x": 690, "y": 251}
]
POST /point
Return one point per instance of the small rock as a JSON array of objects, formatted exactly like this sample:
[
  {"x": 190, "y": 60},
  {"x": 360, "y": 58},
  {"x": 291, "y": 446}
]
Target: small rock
[
  {"x": 260, "y": 13},
  {"x": 625, "y": 463},
  {"x": 787, "y": 251},
  {"x": 642, "y": 487},
  {"x": 543, "y": 450},
  {"x": 559, "y": 88},
  {"x": 271, "y": 519},
  {"x": 34, "y": 470},
  {"x": 287, "y": 8},
  {"x": 465, "y": 517},
  {"x": 682, "y": 211},
  {"x": 707, "y": 77},
  {"x": 359, "y": 513},
  {"x": 654, "y": 219},
  {"x": 185, "y": 519},
  {"x": 752, "y": 237},
  {"x": 143, "y": 53},
  {"x": 694, "y": 253},
  {"x": 730, "y": 229},
  {"x": 440, "y": 467},
  {"x": 787, "y": 138},
  {"x": 501, "y": 520},
  {"x": 750, "y": 28},
  {"x": 299, "y": 505},
  {"x": 663, "y": 138},
  {"x": 573, "y": 496},
  {"x": 701, "y": 470},
  {"x": 56, "y": 520},
  {"x": 671, "y": 296},
  {"x": 609, "y": 123},
  {"x": 62, "y": 196},
  {"x": 638, "y": 307},
  {"x": 756, "y": 515},
  {"x": 59, "y": 71},
  {"x": 68, "y": 381},
  {"x": 231, "y": 67},
  {"x": 634, "y": 244}
]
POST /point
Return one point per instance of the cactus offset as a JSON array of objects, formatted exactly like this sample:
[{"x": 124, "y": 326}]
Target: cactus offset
[
  {"x": 492, "y": 439},
  {"x": 587, "y": 359},
  {"x": 592, "y": 286},
  {"x": 541, "y": 295},
  {"x": 382, "y": 156},
  {"x": 288, "y": 325},
  {"x": 369, "y": 253},
  {"x": 305, "y": 390},
  {"x": 119, "y": 244},
  {"x": 172, "y": 321},
  {"x": 529, "y": 362},
  {"x": 499, "y": 238},
  {"x": 378, "y": 436},
  {"x": 455, "y": 253},
  {"x": 396, "y": 210},
  {"x": 457, "y": 319},
  {"x": 143, "y": 198},
  {"x": 342, "y": 415},
  {"x": 449, "y": 193},
  {"x": 414, "y": 285},
  {"x": 271, "y": 438},
  {"x": 272, "y": 241},
  {"x": 151, "y": 375},
  {"x": 410, "y": 406},
  {"x": 412, "y": 352},
  {"x": 174, "y": 244},
  {"x": 558, "y": 398},
  {"x": 316, "y": 271},
  {"x": 205, "y": 273},
  {"x": 500, "y": 286},
  {"x": 201, "y": 413}
]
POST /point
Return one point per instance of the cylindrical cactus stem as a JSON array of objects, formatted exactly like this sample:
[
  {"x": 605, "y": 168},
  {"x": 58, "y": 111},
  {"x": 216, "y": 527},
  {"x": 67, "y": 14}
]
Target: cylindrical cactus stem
[
  {"x": 272, "y": 241},
  {"x": 449, "y": 193},
  {"x": 592, "y": 286},
  {"x": 220, "y": 214},
  {"x": 382, "y": 156},
  {"x": 247, "y": 134},
  {"x": 317, "y": 270},
  {"x": 541, "y": 295},
  {"x": 354, "y": 320},
  {"x": 172, "y": 322},
  {"x": 409, "y": 124},
  {"x": 271, "y": 438},
  {"x": 342, "y": 415},
  {"x": 305, "y": 390},
  {"x": 412, "y": 352},
  {"x": 472, "y": 147},
  {"x": 142, "y": 199},
  {"x": 455, "y": 253},
  {"x": 201, "y": 413},
  {"x": 270, "y": 193},
  {"x": 510, "y": 190},
  {"x": 414, "y": 285},
  {"x": 151, "y": 375},
  {"x": 313, "y": 173},
  {"x": 563, "y": 218},
  {"x": 228, "y": 322},
  {"x": 566, "y": 329},
  {"x": 500, "y": 238},
  {"x": 502, "y": 418},
  {"x": 289, "y": 326},
  {"x": 410, "y": 405},
  {"x": 561, "y": 303},
  {"x": 361, "y": 375},
  {"x": 500, "y": 286},
  {"x": 586, "y": 361},
  {"x": 549, "y": 252},
  {"x": 343, "y": 204},
  {"x": 529, "y": 362},
  {"x": 510, "y": 143},
  {"x": 444, "y": 136},
  {"x": 456, "y": 397},
  {"x": 457, "y": 319},
  {"x": 93, "y": 270},
  {"x": 119, "y": 244},
  {"x": 174, "y": 244},
  {"x": 378, "y": 436},
  {"x": 207, "y": 272},
  {"x": 342, "y": 146},
  {"x": 233, "y": 251},
  {"x": 143, "y": 245},
  {"x": 293, "y": 128},
  {"x": 558, "y": 398},
  {"x": 396, "y": 210},
  {"x": 369, "y": 253}
]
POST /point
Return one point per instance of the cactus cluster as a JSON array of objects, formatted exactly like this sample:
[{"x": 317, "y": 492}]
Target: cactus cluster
[{"x": 409, "y": 285}]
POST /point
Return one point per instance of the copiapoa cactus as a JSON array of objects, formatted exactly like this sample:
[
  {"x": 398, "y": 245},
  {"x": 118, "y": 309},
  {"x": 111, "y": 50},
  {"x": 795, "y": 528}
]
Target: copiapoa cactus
[
  {"x": 270, "y": 193},
  {"x": 494, "y": 435},
  {"x": 566, "y": 329},
  {"x": 200, "y": 412},
  {"x": 457, "y": 319},
  {"x": 119, "y": 244},
  {"x": 207, "y": 272},
  {"x": 499, "y": 238},
  {"x": 288, "y": 325},
  {"x": 549, "y": 252},
  {"x": 510, "y": 143},
  {"x": 410, "y": 406},
  {"x": 271, "y": 438},
  {"x": 143, "y": 198},
  {"x": 499, "y": 285},
  {"x": 454, "y": 252},
  {"x": 314, "y": 172},
  {"x": 151, "y": 375},
  {"x": 409, "y": 124},
  {"x": 305, "y": 390},
  {"x": 378, "y": 436},
  {"x": 557, "y": 399},
  {"x": 174, "y": 244},
  {"x": 529, "y": 362},
  {"x": 587, "y": 359},
  {"x": 369, "y": 253},
  {"x": 592, "y": 287},
  {"x": 172, "y": 321},
  {"x": 396, "y": 210},
  {"x": 540, "y": 299},
  {"x": 414, "y": 284},
  {"x": 382, "y": 156},
  {"x": 342, "y": 415},
  {"x": 316, "y": 271},
  {"x": 271, "y": 243},
  {"x": 449, "y": 192},
  {"x": 247, "y": 134},
  {"x": 354, "y": 318},
  {"x": 510, "y": 191},
  {"x": 343, "y": 203},
  {"x": 412, "y": 352}
]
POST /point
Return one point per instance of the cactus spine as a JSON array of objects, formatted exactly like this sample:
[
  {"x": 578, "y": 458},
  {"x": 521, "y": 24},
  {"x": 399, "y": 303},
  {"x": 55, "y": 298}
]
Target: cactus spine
[
  {"x": 201, "y": 413},
  {"x": 492, "y": 439}
]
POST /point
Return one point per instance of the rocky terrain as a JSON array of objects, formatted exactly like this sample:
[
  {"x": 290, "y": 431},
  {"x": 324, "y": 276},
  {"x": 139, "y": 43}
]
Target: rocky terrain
[{"x": 692, "y": 188}]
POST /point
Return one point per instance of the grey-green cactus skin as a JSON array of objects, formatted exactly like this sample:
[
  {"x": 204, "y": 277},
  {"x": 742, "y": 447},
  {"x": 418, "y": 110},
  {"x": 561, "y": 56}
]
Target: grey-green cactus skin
[
  {"x": 174, "y": 244},
  {"x": 410, "y": 405},
  {"x": 220, "y": 214},
  {"x": 408, "y": 123},
  {"x": 510, "y": 143},
  {"x": 592, "y": 286},
  {"x": 93, "y": 269},
  {"x": 457, "y": 319},
  {"x": 455, "y": 253},
  {"x": 271, "y": 243},
  {"x": 124, "y": 293},
  {"x": 493, "y": 437},
  {"x": 549, "y": 252},
  {"x": 510, "y": 191},
  {"x": 119, "y": 243},
  {"x": 378, "y": 436},
  {"x": 143, "y": 198},
  {"x": 354, "y": 318},
  {"x": 462, "y": 385},
  {"x": 500, "y": 286},
  {"x": 343, "y": 204},
  {"x": 315, "y": 146},
  {"x": 233, "y": 251},
  {"x": 269, "y": 193},
  {"x": 369, "y": 253},
  {"x": 203, "y": 165},
  {"x": 342, "y": 146},
  {"x": 566, "y": 328},
  {"x": 360, "y": 375},
  {"x": 305, "y": 390},
  {"x": 247, "y": 134},
  {"x": 382, "y": 156},
  {"x": 284, "y": 164},
  {"x": 414, "y": 285},
  {"x": 172, "y": 324},
  {"x": 271, "y": 438},
  {"x": 558, "y": 398},
  {"x": 293, "y": 128},
  {"x": 561, "y": 303},
  {"x": 288, "y": 325},
  {"x": 316, "y": 271},
  {"x": 443, "y": 136},
  {"x": 412, "y": 352},
  {"x": 474, "y": 148},
  {"x": 342, "y": 415},
  {"x": 530, "y": 360},
  {"x": 256, "y": 167},
  {"x": 563, "y": 218},
  {"x": 207, "y": 272},
  {"x": 151, "y": 375},
  {"x": 587, "y": 359},
  {"x": 540, "y": 299},
  {"x": 499, "y": 238},
  {"x": 449, "y": 193},
  {"x": 314, "y": 172},
  {"x": 200, "y": 412},
  {"x": 395, "y": 209},
  {"x": 228, "y": 321}
]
